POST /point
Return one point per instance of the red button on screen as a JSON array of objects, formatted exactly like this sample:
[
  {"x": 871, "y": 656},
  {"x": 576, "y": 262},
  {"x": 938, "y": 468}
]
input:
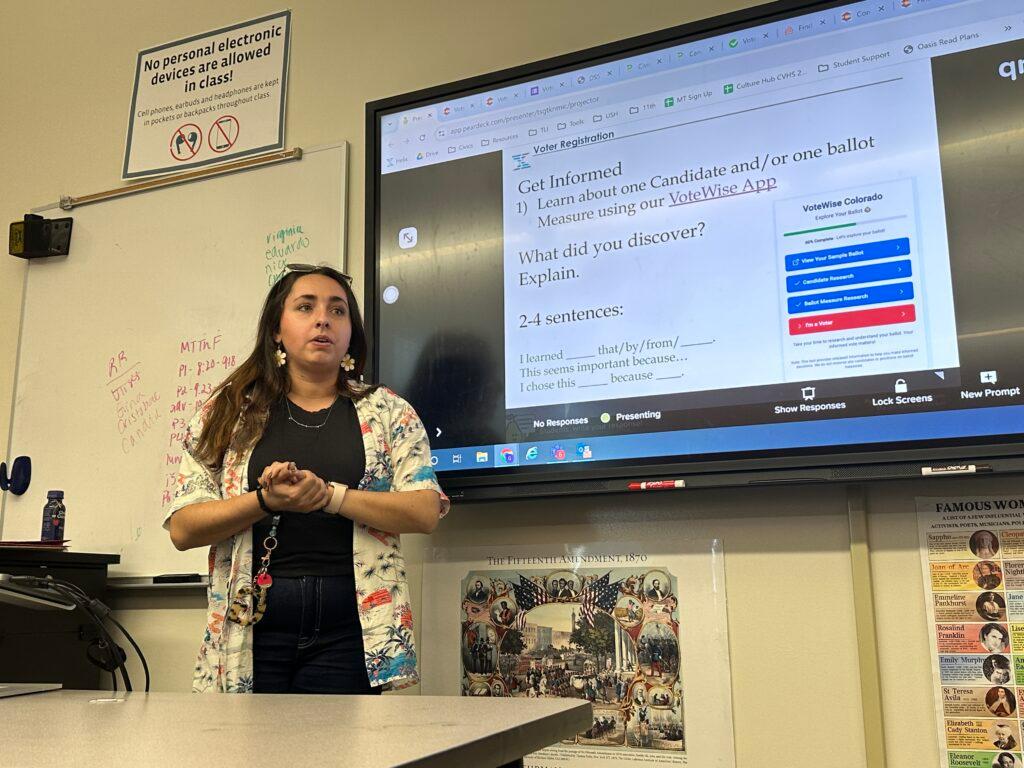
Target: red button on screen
[{"x": 844, "y": 321}]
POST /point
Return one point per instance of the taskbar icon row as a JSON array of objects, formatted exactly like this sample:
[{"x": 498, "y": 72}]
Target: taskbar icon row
[{"x": 512, "y": 454}]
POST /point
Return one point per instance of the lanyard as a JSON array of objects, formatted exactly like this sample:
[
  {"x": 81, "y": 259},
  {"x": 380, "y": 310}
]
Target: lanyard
[
  {"x": 238, "y": 609},
  {"x": 263, "y": 579}
]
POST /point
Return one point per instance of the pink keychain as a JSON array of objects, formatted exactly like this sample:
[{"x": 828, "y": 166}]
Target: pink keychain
[{"x": 263, "y": 578}]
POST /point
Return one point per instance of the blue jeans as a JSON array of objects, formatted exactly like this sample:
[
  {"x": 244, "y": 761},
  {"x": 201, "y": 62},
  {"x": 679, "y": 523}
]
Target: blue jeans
[{"x": 310, "y": 639}]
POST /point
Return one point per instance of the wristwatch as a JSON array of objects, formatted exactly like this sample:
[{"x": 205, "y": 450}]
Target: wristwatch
[{"x": 334, "y": 505}]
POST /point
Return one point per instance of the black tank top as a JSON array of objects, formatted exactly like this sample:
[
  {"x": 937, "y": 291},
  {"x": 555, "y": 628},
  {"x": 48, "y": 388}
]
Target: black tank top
[{"x": 312, "y": 543}]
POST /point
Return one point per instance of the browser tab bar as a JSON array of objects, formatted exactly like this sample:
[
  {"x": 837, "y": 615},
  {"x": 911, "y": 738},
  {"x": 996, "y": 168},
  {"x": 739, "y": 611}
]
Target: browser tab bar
[
  {"x": 657, "y": 84},
  {"x": 797, "y": 28}
]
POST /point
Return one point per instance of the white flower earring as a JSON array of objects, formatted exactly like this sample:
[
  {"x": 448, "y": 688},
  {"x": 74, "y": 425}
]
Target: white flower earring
[
  {"x": 348, "y": 363},
  {"x": 280, "y": 355}
]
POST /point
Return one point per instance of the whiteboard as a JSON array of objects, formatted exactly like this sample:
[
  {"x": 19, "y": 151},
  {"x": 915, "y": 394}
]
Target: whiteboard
[{"x": 157, "y": 302}]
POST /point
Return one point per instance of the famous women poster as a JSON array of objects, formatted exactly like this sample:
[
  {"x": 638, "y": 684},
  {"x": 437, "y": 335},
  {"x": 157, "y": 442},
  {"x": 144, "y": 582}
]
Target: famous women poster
[{"x": 972, "y": 563}]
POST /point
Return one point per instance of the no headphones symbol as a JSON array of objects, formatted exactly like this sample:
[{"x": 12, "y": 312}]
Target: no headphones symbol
[{"x": 186, "y": 141}]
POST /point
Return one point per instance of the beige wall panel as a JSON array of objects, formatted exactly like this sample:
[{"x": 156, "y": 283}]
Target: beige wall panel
[
  {"x": 168, "y": 625},
  {"x": 787, "y": 570}
]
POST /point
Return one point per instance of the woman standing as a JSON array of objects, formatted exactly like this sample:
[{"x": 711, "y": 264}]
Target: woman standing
[{"x": 300, "y": 479}]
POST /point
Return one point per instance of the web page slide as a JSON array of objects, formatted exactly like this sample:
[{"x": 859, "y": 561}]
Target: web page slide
[{"x": 774, "y": 243}]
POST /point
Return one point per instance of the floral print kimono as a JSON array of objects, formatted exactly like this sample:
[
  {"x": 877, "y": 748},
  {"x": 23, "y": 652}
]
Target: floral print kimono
[{"x": 397, "y": 459}]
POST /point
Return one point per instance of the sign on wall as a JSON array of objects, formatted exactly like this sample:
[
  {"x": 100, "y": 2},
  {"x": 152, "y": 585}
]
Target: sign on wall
[
  {"x": 972, "y": 561},
  {"x": 638, "y": 632},
  {"x": 209, "y": 98}
]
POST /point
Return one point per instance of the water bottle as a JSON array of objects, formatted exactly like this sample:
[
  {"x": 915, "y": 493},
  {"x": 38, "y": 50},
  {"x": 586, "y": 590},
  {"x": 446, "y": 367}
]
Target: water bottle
[{"x": 53, "y": 516}]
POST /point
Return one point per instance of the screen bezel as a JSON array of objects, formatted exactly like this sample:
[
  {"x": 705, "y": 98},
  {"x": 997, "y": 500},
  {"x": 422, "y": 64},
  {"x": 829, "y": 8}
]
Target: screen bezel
[{"x": 866, "y": 461}]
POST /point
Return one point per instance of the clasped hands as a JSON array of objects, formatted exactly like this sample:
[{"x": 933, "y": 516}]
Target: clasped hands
[{"x": 288, "y": 488}]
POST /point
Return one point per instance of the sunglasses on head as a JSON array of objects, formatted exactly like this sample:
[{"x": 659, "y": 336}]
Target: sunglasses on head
[{"x": 312, "y": 268}]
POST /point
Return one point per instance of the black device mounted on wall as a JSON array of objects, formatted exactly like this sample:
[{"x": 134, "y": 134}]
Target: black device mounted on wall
[
  {"x": 20, "y": 477},
  {"x": 36, "y": 237}
]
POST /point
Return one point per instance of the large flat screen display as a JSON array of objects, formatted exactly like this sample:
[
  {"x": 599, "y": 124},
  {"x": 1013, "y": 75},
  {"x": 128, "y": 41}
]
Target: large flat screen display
[{"x": 787, "y": 238}]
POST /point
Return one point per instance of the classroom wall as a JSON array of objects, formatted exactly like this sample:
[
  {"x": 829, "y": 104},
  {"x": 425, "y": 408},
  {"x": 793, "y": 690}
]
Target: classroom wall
[{"x": 67, "y": 70}]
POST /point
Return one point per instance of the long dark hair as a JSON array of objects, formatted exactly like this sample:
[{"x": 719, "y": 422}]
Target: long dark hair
[{"x": 245, "y": 397}]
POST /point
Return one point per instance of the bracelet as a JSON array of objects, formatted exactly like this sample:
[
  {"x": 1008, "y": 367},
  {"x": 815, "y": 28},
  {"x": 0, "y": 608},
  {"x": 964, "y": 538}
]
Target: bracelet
[
  {"x": 262, "y": 501},
  {"x": 337, "y": 498}
]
